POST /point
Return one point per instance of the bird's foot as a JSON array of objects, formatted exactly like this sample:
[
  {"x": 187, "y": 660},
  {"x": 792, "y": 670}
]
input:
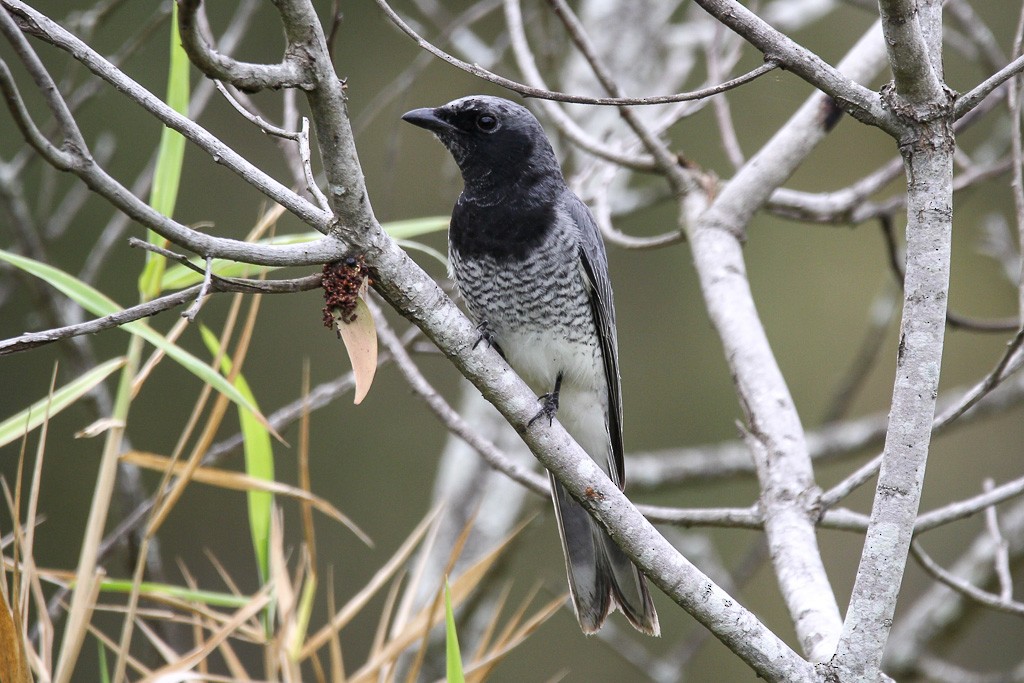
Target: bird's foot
[
  {"x": 487, "y": 337},
  {"x": 549, "y": 401}
]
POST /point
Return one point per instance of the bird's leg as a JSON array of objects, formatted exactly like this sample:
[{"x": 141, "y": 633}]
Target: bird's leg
[
  {"x": 487, "y": 337},
  {"x": 550, "y": 403}
]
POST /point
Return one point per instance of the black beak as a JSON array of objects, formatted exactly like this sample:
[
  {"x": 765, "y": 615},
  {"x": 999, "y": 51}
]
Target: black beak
[{"x": 426, "y": 118}]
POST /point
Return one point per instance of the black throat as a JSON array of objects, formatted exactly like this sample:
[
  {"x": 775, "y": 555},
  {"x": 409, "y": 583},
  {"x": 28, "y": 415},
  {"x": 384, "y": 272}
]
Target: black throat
[{"x": 503, "y": 217}]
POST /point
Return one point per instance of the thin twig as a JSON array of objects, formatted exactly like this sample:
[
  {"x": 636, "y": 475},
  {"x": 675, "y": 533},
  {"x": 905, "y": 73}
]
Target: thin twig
[
  {"x": 1001, "y": 559},
  {"x": 1015, "y": 96},
  {"x": 192, "y": 311},
  {"x": 1003, "y": 369},
  {"x": 953, "y": 319},
  {"x": 254, "y": 119},
  {"x": 963, "y": 587},
  {"x": 723, "y": 114},
  {"x": 31, "y": 340},
  {"x": 973, "y": 98},
  {"x": 540, "y": 93},
  {"x": 305, "y": 155},
  {"x": 447, "y": 415},
  {"x": 962, "y": 509}
]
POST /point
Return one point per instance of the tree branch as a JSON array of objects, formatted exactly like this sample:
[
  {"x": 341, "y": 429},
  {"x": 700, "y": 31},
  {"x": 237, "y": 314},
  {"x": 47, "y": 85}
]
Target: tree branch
[
  {"x": 914, "y": 76},
  {"x": 857, "y": 100},
  {"x": 102, "y": 183},
  {"x": 927, "y": 149},
  {"x": 974, "y": 97},
  {"x": 31, "y": 340},
  {"x": 243, "y": 75},
  {"x": 541, "y": 93},
  {"x": 785, "y": 471}
]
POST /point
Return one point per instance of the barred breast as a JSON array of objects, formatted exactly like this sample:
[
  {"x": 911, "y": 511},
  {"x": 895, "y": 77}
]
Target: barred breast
[{"x": 537, "y": 309}]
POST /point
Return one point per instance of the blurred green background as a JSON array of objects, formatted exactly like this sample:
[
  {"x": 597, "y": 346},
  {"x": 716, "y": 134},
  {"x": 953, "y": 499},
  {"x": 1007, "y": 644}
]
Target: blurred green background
[{"x": 813, "y": 284}]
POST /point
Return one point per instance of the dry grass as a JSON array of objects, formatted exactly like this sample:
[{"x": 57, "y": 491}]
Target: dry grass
[{"x": 226, "y": 625}]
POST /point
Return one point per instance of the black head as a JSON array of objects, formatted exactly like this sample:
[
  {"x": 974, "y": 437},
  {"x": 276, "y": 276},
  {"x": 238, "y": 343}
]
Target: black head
[{"x": 492, "y": 140}]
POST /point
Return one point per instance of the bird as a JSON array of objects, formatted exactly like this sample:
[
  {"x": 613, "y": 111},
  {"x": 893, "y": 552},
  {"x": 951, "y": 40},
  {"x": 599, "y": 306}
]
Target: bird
[{"x": 528, "y": 260}]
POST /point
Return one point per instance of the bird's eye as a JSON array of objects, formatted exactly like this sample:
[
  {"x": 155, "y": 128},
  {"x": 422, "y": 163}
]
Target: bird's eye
[{"x": 486, "y": 123}]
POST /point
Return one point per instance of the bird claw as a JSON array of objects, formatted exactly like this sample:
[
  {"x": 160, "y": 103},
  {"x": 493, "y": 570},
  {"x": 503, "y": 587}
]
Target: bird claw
[
  {"x": 486, "y": 334},
  {"x": 549, "y": 401}
]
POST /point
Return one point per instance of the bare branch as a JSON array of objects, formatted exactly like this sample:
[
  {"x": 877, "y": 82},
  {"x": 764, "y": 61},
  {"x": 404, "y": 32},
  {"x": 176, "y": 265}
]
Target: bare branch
[
  {"x": 963, "y": 587},
  {"x": 788, "y": 487},
  {"x": 528, "y": 91},
  {"x": 254, "y": 119},
  {"x": 243, "y": 75},
  {"x": 192, "y": 311},
  {"x": 564, "y": 123},
  {"x": 102, "y": 183},
  {"x": 860, "y": 102},
  {"x": 1002, "y": 546},
  {"x": 928, "y": 154},
  {"x": 31, "y": 340},
  {"x": 665, "y": 160},
  {"x": 973, "y": 98},
  {"x": 57, "y": 157},
  {"x": 448, "y": 417},
  {"x": 965, "y": 508},
  {"x": 941, "y": 610},
  {"x": 915, "y": 77},
  {"x": 1010, "y": 362}
]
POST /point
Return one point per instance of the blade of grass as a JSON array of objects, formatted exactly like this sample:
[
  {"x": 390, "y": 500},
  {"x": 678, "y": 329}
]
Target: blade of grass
[
  {"x": 305, "y": 609},
  {"x": 334, "y": 643},
  {"x": 428, "y": 616},
  {"x": 381, "y": 577},
  {"x": 171, "y": 154},
  {"x": 156, "y": 591},
  {"x": 202, "y": 650},
  {"x": 104, "y": 673},
  {"x": 484, "y": 639},
  {"x": 439, "y": 593},
  {"x": 243, "y": 482},
  {"x": 83, "y": 595},
  {"x": 482, "y": 668},
  {"x": 28, "y": 419},
  {"x": 13, "y": 660},
  {"x": 259, "y": 460},
  {"x": 453, "y": 658},
  {"x": 99, "y": 304}
]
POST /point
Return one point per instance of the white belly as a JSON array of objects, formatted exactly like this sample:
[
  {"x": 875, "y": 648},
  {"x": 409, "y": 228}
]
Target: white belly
[{"x": 538, "y": 357}]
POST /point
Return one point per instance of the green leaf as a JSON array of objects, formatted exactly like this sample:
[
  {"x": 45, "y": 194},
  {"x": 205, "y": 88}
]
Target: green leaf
[
  {"x": 303, "y": 614},
  {"x": 259, "y": 462},
  {"x": 211, "y": 598},
  {"x": 104, "y": 673},
  {"x": 16, "y": 426},
  {"x": 179, "y": 276},
  {"x": 453, "y": 657},
  {"x": 167, "y": 176},
  {"x": 414, "y": 227},
  {"x": 410, "y": 245},
  {"x": 99, "y": 304}
]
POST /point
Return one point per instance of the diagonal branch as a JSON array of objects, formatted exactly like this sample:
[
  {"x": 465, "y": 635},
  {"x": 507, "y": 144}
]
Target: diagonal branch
[
  {"x": 784, "y": 465},
  {"x": 105, "y": 185},
  {"x": 857, "y": 100},
  {"x": 974, "y": 97}
]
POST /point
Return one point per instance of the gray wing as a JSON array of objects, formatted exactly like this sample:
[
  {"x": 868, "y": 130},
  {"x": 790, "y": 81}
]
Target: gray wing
[{"x": 595, "y": 267}]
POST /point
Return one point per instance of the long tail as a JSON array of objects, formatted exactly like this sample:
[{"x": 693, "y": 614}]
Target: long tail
[{"x": 601, "y": 576}]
